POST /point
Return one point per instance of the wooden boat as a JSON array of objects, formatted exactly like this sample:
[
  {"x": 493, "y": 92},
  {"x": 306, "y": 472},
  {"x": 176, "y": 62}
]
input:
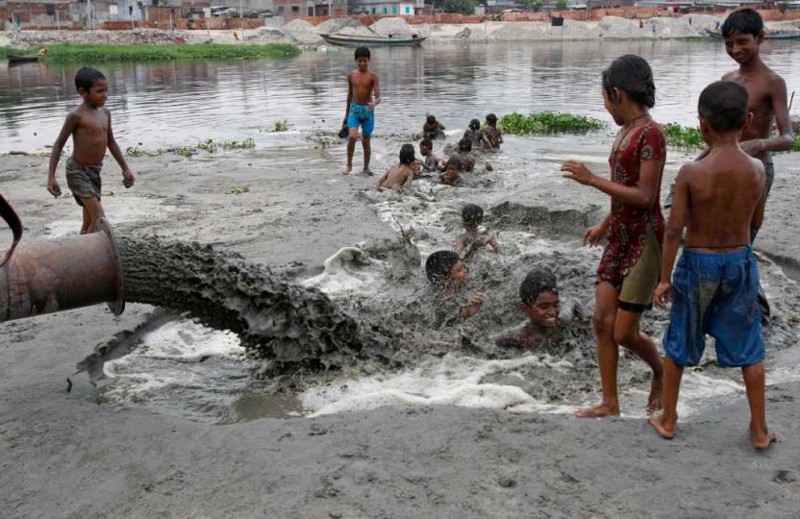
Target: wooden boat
[
  {"x": 349, "y": 40},
  {"x": 16, "y": 60},
  {"x": 770, "y": 35}
]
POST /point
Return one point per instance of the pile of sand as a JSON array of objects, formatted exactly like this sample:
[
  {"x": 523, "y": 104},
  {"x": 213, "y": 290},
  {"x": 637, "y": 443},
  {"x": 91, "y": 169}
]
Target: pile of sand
[
  {"x": 392, "y": 26},
  {"x": 302, "y": 32},
  {"x": 335, "y": 25}
]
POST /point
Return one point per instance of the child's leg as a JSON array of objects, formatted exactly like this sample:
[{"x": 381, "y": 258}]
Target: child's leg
[
  {"x": 365, "y": 141},
  {"x": 605, "y": 311},
  {"x": 627, "y": 334},
  {"x": 92, "y": 210},
  {"x": 352, "y": 137},
  {"x": 754, "y": 382},
  {"x": 665, "y": 424}
]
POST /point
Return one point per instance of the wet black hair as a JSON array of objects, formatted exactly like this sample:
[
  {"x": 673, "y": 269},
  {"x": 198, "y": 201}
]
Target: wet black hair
[
  {"x": 743, "y": 21},
  {"x": 491, "y": 118},
  {"x": 427, "y": 143},
  {"x": 538, "y": 280},
  {"x": 430, "y": 119},
  {"x": 632, "y": 75},
  {"x": 724, "y": 105},
  {"x": 453, "y": 161},
  {"x": 406, "y": 154},
  {"x": 472, "y": 214},
  {"x": 439, "y": 266},
  {"x": 87, "y": 77},
  {"x": 474, "y": 124},
  {"x": 465, "y": 145},
  {"x": 362, "y": 52}
]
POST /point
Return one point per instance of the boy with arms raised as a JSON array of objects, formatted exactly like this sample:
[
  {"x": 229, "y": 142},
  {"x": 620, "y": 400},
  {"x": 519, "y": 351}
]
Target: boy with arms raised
[
  {"x": 363, "y": 95},
  {"x": 90, "y": 127},
  {"x": 719, "y": 199}
]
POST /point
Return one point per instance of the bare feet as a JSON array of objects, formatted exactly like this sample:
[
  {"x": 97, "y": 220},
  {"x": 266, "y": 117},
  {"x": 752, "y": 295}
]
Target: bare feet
[
  {"x": 654, "y": 400},
  {"x": 347, "y": 169},
  {"x": 368, "y": 172},
  {"x": 599, "y": 411},
  {"x": 664, "y": 429},
  {"x": 761, "y": 438}
]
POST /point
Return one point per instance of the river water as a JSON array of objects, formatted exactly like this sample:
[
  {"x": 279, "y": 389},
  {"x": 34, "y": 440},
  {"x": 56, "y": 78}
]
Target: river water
[{"x": 180, "y": 367}]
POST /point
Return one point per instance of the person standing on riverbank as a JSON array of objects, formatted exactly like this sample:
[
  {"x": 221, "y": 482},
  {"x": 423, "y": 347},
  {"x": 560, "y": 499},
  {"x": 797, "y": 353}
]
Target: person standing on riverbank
[
  {"x": 90, "y": 127},
  {"x": 363, "y": 95},
  {"x": 719, "y": 200},
  {"x": 629, "y": 269}
]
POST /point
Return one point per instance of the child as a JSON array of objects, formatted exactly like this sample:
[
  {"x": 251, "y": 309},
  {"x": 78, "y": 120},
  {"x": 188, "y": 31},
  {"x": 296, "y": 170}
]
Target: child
[
  {"x": 475, "y": 135},
  {"x": 476, "y": 236},
  {"x": 362, "y": 85},
  {"x": 447, "y": 273},
  {"x": 541, "y": 304},
  {"x": 452, "y": 172},
  {"x": 402, "y": 174},
  {"x": 432, "y": 129},
  {"x": 719, "y": 200},
  {"x": 430, "y": 162},
  {"x": 493, "y": 135},
  {"x": 465, "y": 155},
  {"x": 90, "y": 127},
  {"x": 628, "y": 270}
]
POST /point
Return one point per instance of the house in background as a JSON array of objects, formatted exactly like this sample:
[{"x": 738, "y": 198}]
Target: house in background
[{"x": 387, "y": 7}]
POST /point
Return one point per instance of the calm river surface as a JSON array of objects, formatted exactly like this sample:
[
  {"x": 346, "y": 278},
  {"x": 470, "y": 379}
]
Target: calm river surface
[{"x": 174, "y": 104}]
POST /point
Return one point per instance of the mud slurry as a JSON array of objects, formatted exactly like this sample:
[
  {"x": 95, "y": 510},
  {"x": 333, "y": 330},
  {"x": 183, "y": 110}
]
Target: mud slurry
[{"x": 286, "y": 325}]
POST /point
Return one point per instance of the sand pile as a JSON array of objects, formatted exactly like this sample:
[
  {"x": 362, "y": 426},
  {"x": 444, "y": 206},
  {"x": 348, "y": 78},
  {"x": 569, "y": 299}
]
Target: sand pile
[
  {"x": 392, "y": 26},
  {"x": 334, "y": 25},
  {"x": 302, "y": 32}
]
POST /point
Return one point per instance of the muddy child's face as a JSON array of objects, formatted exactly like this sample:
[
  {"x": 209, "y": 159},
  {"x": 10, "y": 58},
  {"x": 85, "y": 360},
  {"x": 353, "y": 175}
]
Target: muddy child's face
[
  {"x": 544, "y": 311},
  {"x": 459, "y": 273},
  {"x": 742, "y": 47},
  {"x": 424, "y": 151},
  {"x": 362, "y": 64},
  {"x": 451, "y": 173},
  {"x": 97, "y": 93}
]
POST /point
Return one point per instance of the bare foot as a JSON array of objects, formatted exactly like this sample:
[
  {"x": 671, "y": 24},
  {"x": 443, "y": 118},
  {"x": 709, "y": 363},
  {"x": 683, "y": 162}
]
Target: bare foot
[
  {"x": 761, "y": 439},
  {"x": 598, "y": 411},
  {"x": 368, "y": 172},
  {"x": 654, "y": 400},
  {"x": 666, "y": 431},
  {"x": 347, "y": 169}
]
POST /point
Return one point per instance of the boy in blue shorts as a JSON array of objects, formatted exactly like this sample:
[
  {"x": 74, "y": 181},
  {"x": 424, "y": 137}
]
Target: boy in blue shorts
[
  {"x": 719, "y": 200},
  {"x": 363, "y": 95}
]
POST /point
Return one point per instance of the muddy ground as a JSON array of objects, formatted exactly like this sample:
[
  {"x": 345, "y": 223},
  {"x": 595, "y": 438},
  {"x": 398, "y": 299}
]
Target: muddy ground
[{"x": 63, "y": 455}]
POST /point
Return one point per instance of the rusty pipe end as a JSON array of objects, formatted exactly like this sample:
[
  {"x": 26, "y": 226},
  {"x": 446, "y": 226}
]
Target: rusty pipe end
[{"x": 118, "y": 305}]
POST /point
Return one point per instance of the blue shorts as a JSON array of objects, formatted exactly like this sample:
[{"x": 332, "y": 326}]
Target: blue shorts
[
  {"x": 361, "y": 115},
  {"x": 715, "y": 294}
]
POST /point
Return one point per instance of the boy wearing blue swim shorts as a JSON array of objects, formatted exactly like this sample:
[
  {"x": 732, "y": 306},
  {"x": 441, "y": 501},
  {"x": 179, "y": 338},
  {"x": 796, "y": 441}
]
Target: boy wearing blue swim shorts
[
  {"x": 363, "y": 95},
  {"x": 719, "y": 200}
]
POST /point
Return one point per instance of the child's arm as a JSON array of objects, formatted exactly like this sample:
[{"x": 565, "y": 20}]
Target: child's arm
[
  {"x": 113, "y": 147},
  {"x": 494, "y": 245},
  {"x": 672, "y": 238},
  {"x": 70, "y": 123},
  {"x": 758, "y": 215},
  {"x": 409, "y": 178},
  {"x": 349, "y": 99},
  {"x": 784, "y": 141},
  {"x": 475, "y": 302},
  {"x": 383, "y": 179},
  {"x": 644, "y": 194},
  {"x": 376, "y": 91},
  {"x": 594, "y": 234}
]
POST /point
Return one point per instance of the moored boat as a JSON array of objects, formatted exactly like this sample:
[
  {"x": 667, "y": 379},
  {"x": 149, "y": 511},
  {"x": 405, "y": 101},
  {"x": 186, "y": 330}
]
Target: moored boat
[
  {"x": 349, "y": 40},
  {"x": 16, "y": 60}
]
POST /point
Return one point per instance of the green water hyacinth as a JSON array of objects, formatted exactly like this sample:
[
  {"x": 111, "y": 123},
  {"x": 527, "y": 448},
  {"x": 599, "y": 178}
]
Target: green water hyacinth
[
  {"x": 682, "y": 137},
  {"x": 91, "y": 53},
  {"x": 548, "y": 123}
]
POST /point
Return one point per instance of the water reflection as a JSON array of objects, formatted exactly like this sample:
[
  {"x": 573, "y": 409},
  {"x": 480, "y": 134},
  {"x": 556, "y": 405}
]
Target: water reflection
[{"x": 174, "y": 104}]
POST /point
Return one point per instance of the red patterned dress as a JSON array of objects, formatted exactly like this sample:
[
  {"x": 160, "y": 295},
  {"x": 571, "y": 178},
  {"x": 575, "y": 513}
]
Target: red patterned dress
[{"x": 628, "y": 222}]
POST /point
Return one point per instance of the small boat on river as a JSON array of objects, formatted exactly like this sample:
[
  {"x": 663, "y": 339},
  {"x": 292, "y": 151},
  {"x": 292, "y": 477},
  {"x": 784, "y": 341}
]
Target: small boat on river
[
  {"x": 351, "y": 40},
  {"x": 768, "y": 35},
  {"x": 17, "y": 60}
]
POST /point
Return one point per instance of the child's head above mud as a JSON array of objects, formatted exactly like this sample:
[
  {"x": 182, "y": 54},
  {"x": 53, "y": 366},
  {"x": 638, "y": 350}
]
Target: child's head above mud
[
  {"x": 444, "y": 267},
  {"x": 88, "y": 77},
  {"x": 743, "y": 21},
  {"x": 431, "y": 119},
  {"x": 632, "y": 75},
  {"x": 539, "y": 295},
  {"x": 425, "y": 146},
  {"x": 465, "y": 145},
  {"x": 491, "y": 120},
  {"x": 453, "y": 166},
  {"x": 474, "y": 124},
  {"x": 471, "y": 216},
  {"x": 407, "y": 154},
  {"x": 723, "y": 106}
]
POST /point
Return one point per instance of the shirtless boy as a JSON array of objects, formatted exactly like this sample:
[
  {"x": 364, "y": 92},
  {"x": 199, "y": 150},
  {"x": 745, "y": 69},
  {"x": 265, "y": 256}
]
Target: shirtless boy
[
  {"x": 363, "y": 95},
  {"x": 493, "y": 134},
  {"x": 719, "y": 200},
  {"x": 402, "y": 174},
  {"x": 431, "y": 163},
  {"x": 447, "y": 273},
  {"x": 475, "y": 235},
  {"x": 540, "y": 303},
  {"x": 90, "y": 127}
]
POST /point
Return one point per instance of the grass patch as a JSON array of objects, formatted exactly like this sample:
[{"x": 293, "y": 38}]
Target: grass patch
[
  {"x": 5, "y": 52},
  {"x": 92, "y": 53},
  {"x": 682, "y": 136},
  {"x": 548, "y": 123}
]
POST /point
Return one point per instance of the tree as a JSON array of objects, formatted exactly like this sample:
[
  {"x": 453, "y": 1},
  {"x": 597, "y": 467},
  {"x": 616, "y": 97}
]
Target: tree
[
  {"x": 561, "y": 5},
  {"x": 459, "y": 6}
]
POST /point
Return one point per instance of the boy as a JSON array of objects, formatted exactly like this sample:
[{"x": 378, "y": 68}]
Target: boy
[
  {"x": 719, "y": 199},
  {"x": 431, "y": 162},
  {"x": 363, "y": 95},
  {"x": 475, "y": 135},
  {"x": 432, "y": 129},
  {"x": 90, "y": 127},
  {"x": 402, "y": 174},
  {"x": 541, "y": 304},
  {"x": 447, "y": 273},
  {"x": 476, "y": 236},
  {"x": 465, "y": 155},
  {"x": 493, "y": 135},
  {"x": 451, "y": 175}
]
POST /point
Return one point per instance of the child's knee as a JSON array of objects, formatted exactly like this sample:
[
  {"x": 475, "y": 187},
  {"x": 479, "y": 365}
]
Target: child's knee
[
  {"x": 625, "y": 336},
  {"x": 603, "y": 323}
]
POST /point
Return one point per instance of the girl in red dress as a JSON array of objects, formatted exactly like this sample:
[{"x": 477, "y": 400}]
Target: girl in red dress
[{"x": 634, "y": 228}]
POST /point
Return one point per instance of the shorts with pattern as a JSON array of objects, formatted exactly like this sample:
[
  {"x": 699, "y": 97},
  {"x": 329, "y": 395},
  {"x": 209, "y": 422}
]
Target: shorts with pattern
[{"x": 83, "y": 180}]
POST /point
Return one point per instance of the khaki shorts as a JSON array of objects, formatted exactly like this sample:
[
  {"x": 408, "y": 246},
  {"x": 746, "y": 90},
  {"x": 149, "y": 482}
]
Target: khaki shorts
[{"x": 636, "y": 290}]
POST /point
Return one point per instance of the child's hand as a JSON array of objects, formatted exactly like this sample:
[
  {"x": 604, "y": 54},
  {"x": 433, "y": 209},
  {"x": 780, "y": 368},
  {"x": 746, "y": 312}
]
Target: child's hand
[
  {"x": 662, "y": 295},
  {"x": 477, "y": 299},
  {"x": 53, "y": 188},
  {"x": 578, "y": 172},
  {"x": 593, "y": 235},
  {"x": 127, "y": 178},
  {"x": 371, "y": 105}
]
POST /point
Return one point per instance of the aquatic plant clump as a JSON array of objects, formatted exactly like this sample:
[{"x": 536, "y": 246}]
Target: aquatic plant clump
[
  {"x": 92, "y": 53},
  {"x": 683, "y": 137},
  {"x": 548, "y": 123}
]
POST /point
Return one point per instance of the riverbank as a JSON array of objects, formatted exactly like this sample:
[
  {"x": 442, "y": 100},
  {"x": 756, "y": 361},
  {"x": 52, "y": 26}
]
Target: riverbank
[
  {"x": 63, "y": 455},
  {"x": 303, "y": 33}
]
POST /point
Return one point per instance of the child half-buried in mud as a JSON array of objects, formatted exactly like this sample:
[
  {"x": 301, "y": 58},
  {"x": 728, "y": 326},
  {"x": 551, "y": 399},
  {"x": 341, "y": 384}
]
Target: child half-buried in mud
[{"x": 540, "y": 302}]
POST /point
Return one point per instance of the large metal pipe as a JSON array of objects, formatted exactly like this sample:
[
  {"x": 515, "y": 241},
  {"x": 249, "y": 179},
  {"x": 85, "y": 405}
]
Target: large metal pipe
[{"x": 62, "y": 274}]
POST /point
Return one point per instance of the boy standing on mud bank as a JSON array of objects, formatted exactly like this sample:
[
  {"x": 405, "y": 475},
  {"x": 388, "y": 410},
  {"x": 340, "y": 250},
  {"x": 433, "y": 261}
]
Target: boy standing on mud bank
[
  {"x": 90, "y": 127},
  {"x": 362, "y": 85},
  {"x": 719, "y": 199}
]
